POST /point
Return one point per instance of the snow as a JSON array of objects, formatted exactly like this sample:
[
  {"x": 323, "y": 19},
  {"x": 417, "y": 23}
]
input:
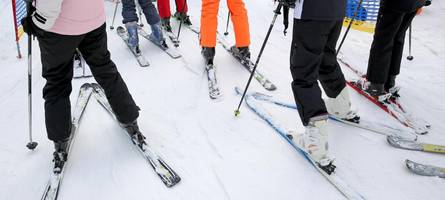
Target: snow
[{"x": 217, "y": 155}]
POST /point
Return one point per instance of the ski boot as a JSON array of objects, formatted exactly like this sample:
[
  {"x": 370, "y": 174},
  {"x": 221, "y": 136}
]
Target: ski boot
[
  {"x": 340, "y": 107},
  {"x": 133, "y": 38},
  {"x": 390, "y": 87},
  {"x": 242, "y": 53},
  {"x": 377, "y": 91},
  {"x": 165, "y": 24},
  {"x": 208, "y": 53},
  {"x": 182, "y": 16},
  {"x": 132, "y": 129},
  {"x": 60, "y": 154},
  {"x": 157, "y": 36},
  {"x": 315, "y": 142}
]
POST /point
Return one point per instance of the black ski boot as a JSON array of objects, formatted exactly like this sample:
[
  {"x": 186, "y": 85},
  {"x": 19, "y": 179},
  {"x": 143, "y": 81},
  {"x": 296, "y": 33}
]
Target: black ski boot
[
  {"x": 165, "y": 24},
  {"x": 181, "y": 16},
  {"x": 375, "y": 90},
  {"x": 132, "y": 129},
  {"x": 241, "y": 52},
  {"x": 208, "y": 53},
  {"x": 390, "y": 87},
  {"x": 60, "y": 154}
]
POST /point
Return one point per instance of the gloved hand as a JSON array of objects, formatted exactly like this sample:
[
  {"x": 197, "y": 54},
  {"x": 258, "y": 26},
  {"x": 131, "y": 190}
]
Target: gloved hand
[
  {"x": 288, "y": 3},
  {"x": 28, "y": 25},
  {"x": 428, "y": 2}
]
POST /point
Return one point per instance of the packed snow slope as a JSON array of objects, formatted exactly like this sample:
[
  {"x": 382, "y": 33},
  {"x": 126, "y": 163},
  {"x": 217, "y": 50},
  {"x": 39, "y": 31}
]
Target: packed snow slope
[{"x": 218, "y": 155}]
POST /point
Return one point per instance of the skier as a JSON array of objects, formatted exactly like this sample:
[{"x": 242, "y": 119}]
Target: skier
[
  {"x": 181, "y": 13},
  {"x": 317, "y": 26},
  {"x": 209, "y": 23},
  {"x": 131, "y": 18},
  {"x": 395, "y": 17},
  {"x": 61, "y": 26}
]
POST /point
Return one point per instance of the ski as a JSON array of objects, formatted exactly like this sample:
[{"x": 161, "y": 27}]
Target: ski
[
  {"x": 170, "y": 51},
  {"x": 333, "y": 178},
  {"x": 80, "y": 70},
  {"x": 52, "y": 188},
  {"x": 122, "y": 32},
  {"x": 168, "y": 176},
  {"x": 214, "y": 91},
  {"x": 375, "y": 127},
  {"x": 248, "y": 65},
  {"x": 425, "y": 170},
  {"x": 415, "y": 146},
  {"x": 390, "y": 105}
]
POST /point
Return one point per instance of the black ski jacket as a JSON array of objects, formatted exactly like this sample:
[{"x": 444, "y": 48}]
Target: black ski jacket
[
  {"x": 320, "y": 9},
  {"x": 402, "y": 5}
]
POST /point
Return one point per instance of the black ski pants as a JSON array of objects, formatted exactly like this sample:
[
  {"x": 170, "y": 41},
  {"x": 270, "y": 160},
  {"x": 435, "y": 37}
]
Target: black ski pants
[
  {"x": 57, "y": 53},
  {"x": 313, "y": 57},
  {"x": 387, "y": 47}
]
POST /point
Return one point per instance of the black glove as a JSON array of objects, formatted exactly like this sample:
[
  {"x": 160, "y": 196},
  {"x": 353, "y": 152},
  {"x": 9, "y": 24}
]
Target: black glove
[
  {"x": 288, "y": 3},
  {"x": 428, "y": 2},
  {"x": 28, "y": 25}
]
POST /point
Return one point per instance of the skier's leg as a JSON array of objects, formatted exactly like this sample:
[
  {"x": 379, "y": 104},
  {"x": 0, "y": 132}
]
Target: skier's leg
[
  {"x": 181, "y": 6},
  {"x": 388, "y": 22},
  {"x": 57, "y": 53},
  {"x": 150, "y": 12},
  {"x": 164, "y": 9},
  {"x": 240, "y": 22},
  {"x": 95, "y": 51},
  {"x": 397, "y": 51},
  {"x": 129, "y": 11},
  {"x": 209, "y": 22},
  {"x": 308, "y": 42},
  {"x": 333, "y": 81}
]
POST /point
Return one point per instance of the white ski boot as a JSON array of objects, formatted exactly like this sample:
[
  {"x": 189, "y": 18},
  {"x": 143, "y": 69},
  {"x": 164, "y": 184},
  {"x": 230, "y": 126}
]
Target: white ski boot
[
  {"x": 340, "y": 107},
  {"x": 315, "y": 142}
]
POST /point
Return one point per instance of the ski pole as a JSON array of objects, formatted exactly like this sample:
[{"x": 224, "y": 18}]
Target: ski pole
[
  {"x": 349, "y": 26},
  {"x": 227, "y": 24},
  {"x": 114, "y": 15},
  {"x": 277, "y": 12},
  {"x": 180, "y": 24},
  {"x": 140, "y": 15},
  {"x": 410, "y": 56},
  {"x": 31, "y": 145}
]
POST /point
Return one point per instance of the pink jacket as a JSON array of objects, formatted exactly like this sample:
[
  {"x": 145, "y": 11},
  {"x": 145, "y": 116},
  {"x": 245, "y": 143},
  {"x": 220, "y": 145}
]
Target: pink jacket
[{"x": 69, "y": 17}]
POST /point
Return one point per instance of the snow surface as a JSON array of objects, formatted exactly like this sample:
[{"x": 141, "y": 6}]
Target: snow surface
[{"x": 217, "y": 155}]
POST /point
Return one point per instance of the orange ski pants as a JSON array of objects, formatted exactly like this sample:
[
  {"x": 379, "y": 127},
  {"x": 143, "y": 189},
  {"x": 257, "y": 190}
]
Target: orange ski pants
[{"x": 209, "y": 22}]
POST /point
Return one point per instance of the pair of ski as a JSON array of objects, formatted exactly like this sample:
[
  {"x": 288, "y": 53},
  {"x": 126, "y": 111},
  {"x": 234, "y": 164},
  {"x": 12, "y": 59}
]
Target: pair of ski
[
  {"x": 143, "y": 62},
  {"x": 391, "y": 104},
  {"x": 396, "y": 137},
  {"x": 214, "y": 91},
  {"x": 162, "y": 169},
  {"x": 335, "y": 179}
]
